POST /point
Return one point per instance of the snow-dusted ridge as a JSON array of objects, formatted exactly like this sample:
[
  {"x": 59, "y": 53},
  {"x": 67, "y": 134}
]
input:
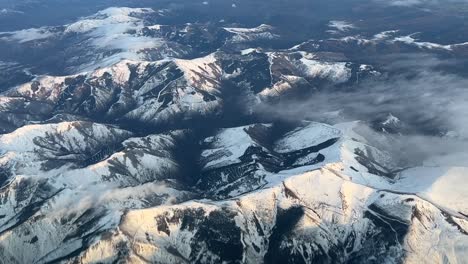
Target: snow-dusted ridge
[
  {"x": 124, "y": 17},
  {"x": 329, "y": 178},
  {"x": 147, "y": 150},
  {"x": 386, "y": 37},
  {"x": 191, "y": 85},
  {"x": 262, "y": 32},
  {"x": 392, "y": 37},
  {"x": 113, "y": 35},
  {"x": 427, "y": 45}
]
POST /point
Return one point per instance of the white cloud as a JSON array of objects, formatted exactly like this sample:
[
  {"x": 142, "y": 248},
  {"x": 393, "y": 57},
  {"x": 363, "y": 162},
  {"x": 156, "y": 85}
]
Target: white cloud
[
  {"x": 430, "y": 103},
  {"x": 27, "y": 35},
  {"x": 6, "y": 11},
  {"x": 340, "y": 26}
]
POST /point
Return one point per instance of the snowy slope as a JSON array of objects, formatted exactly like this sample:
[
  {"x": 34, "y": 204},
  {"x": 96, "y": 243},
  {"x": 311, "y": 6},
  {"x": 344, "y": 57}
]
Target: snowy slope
[
  {"x": 262, "y": 32},
  {"x": 152, "y": 92},
  {"x": 112, "y": 35},
  {"x": 317, "y": 193},
  {"x": 132, "y": 136},
  {"x": 313, "y": 216}
]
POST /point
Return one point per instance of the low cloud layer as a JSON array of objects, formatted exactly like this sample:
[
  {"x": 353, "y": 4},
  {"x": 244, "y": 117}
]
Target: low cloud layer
[{"x": 430, "y": 103}]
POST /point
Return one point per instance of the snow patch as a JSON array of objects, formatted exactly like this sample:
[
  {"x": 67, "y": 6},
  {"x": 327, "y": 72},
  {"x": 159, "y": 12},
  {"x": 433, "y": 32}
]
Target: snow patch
[
  {"x": 310, "y": 135},
  {"x": 334, "y": 71}
]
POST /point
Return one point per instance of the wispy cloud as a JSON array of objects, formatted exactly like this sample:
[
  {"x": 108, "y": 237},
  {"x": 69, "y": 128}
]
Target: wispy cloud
[
  {"x": 27, "y": 35},
  {"x": 6, "y": 11},
  {"x": 340, "y": 26},
  {"x": 431, "y": 103}
]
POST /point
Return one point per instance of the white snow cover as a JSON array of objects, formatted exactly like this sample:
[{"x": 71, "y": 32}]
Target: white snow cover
[
  {"x": 140, "y": 167},
  {"x": 390, "y": 36},
  {"x": 248, "y": 51},
  {"x": 443, "y": 186},
  {"x": 311, "y": 65},
  {"x": 259, "y": 29},
  {"x": 262, "y": 32},
  {"x": 391, "y": 120},
  {"x": 227, "y": 146},
  {"x": 120, "y": 72},
  {"x": 78, "y": 190},
  {"x": 22, "y": 139},
  {"x": 111, "y": 35},
  {"x": 334, "y": 71},
  {"x": 116, "y": 16},
  {"x": 49, "y": 88},
  {"x": 335, "y": 209},
  {"x": 155, "y": 27},
  {"x": 24, "y": 153},
  {"x": 282, "y": 86},
  {"x": 334, "y": 197},
  {"x": 310, "y": 135},
  {"x": 110, "y": 29},
  {"x": 202, "y": 73},
  {"x": 188, "y": 91},
  {"x": 263, "y": 205},
  {"x": 427, "y": 45}
]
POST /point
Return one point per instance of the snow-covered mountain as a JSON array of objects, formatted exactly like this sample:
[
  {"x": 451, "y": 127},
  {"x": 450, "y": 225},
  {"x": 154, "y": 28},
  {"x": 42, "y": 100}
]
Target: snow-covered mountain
[
  {"x": 155, "y": 135},
  {"x": 129, "y": 91},
  {"x": 170, "y": 91},
  {"x": 316, "y": 193}
]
